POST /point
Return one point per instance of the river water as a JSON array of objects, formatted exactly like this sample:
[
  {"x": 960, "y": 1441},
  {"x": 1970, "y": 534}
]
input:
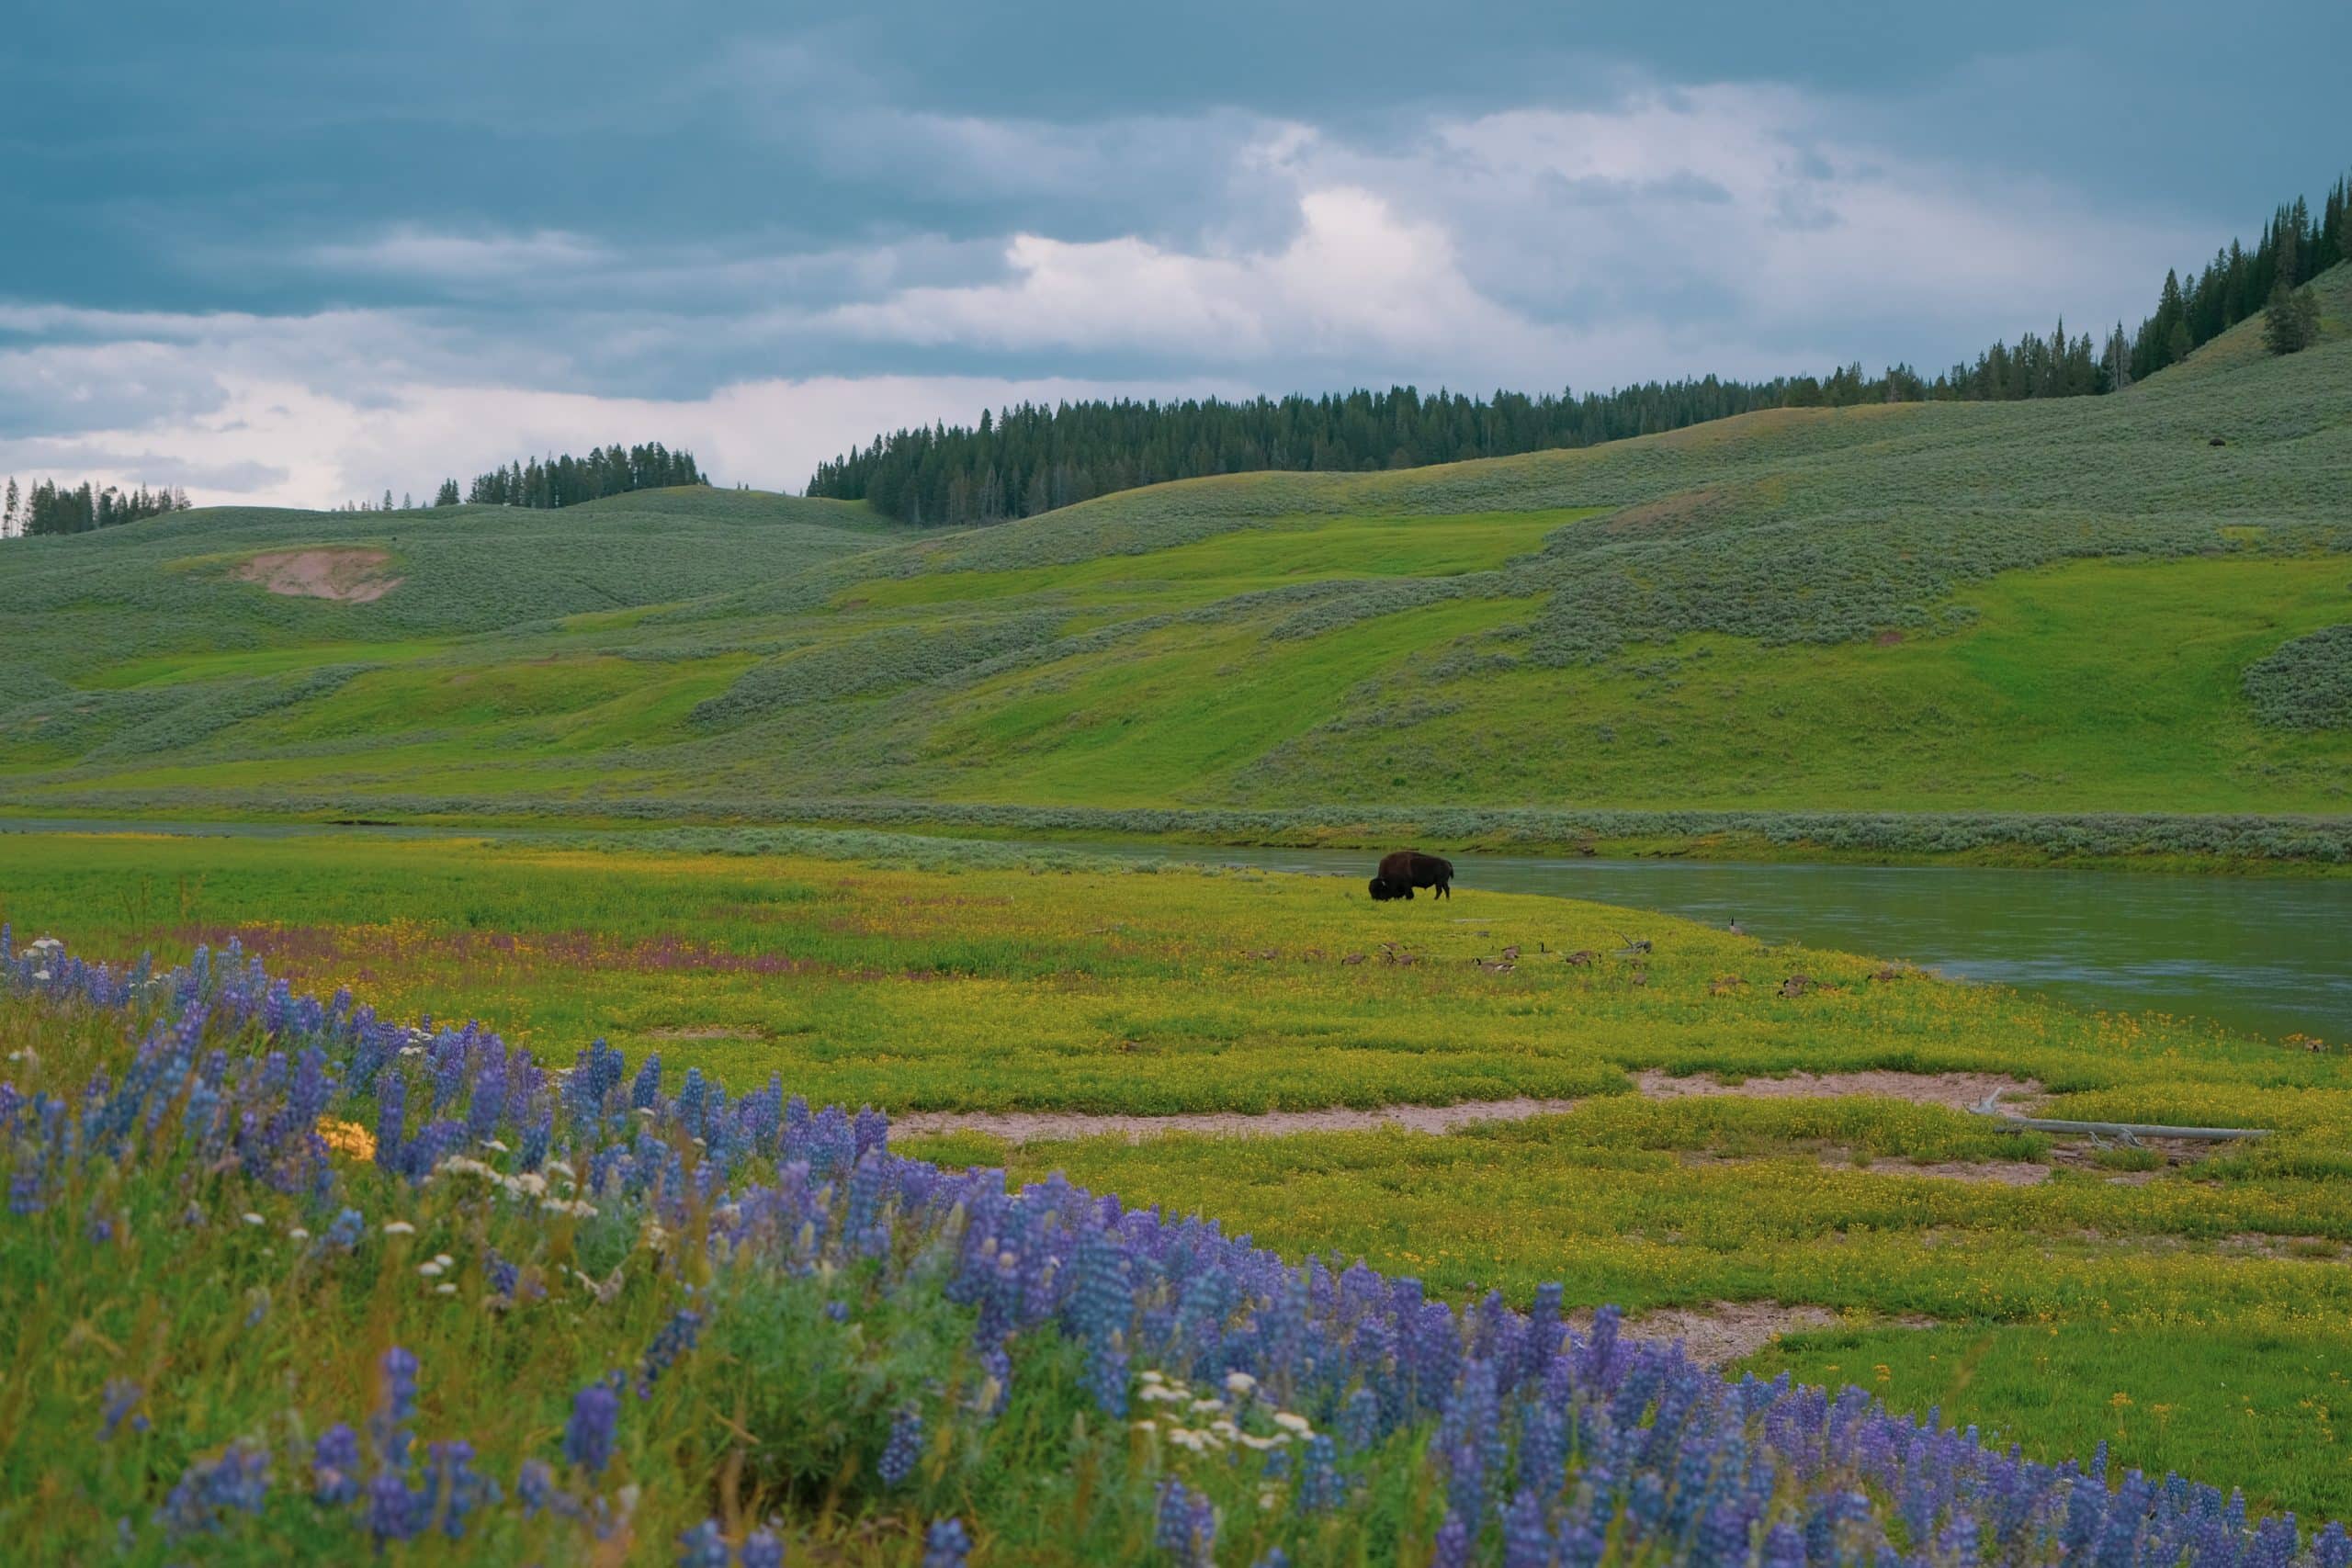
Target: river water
[{"x": 2270, "y": 955}]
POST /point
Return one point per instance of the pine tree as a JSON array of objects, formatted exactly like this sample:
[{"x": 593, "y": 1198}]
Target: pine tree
[
  {"x": 447, "y": 494},
  {"x": 2291, "y": 322}
]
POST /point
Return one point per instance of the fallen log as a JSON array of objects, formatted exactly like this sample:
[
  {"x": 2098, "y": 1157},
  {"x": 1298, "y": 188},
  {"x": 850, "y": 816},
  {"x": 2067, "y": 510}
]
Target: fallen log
[{"x": 2118, "y": 1129}]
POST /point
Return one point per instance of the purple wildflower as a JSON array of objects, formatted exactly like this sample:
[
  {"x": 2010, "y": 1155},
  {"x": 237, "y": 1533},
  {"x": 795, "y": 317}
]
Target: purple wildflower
[
  {"x": 334, "y": 1466},
  {"x": 588, "y": 1438},
  {"x": 946, "y": 1544},
  {"x": 704, "y": 1546}
]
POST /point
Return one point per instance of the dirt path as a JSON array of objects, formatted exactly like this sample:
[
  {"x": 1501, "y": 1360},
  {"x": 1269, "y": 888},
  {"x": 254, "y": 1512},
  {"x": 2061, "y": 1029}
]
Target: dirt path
[
  {"x": 347, "y": 576},
  {"x": 1045, "y": 1126},
  {"x": 1958, "y": 1090}
]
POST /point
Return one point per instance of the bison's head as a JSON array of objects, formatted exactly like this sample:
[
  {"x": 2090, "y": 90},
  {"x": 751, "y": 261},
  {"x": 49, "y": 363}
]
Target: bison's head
[{"x": 1381, "y": 891}]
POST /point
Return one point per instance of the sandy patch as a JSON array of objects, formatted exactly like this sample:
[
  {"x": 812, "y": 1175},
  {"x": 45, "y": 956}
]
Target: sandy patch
[
  {"x": 1959, "y": 1091},
  {"x": 1720, "y": 1332},
  {"x": 347, "y": 576},
  {"x": 1045, "y": 1126}
]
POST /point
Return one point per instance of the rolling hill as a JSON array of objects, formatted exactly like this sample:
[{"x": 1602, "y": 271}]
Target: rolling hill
[{"x": 1942, "y": 608}]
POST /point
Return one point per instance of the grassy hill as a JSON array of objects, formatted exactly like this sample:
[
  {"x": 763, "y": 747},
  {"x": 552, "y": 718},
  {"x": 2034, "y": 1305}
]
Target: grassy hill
[{"x": 1955, "y": 608}]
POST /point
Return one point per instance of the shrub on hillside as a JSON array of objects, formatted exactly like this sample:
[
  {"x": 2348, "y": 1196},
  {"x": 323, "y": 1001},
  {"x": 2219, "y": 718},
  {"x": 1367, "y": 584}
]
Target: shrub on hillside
[{"x": 2306, "y": 685}]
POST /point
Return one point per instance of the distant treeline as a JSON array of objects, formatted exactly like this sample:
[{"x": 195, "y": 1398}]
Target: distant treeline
[
  {"x": 48, "y": 509},
  {"x": 569, "y": 481},
  {"x": 1031, "y": 459}
]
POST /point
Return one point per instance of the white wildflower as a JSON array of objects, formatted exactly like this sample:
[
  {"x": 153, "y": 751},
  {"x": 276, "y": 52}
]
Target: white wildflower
[
  {"x": 399, "y": 1227},
  {"x": 1239, "y": 1383},
  {"x": 444, "y": 1290},
  {"x": 1291, "y": 1421},
  {"x": 443, "y": 1259},
  {"x": 430, "y": 1270},
  {"x": 254, "y": 1219},
  {"x": 297, "y": 1233}
]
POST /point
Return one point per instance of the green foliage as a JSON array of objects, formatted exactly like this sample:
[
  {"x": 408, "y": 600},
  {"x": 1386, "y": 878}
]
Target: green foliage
[
  {"x": 2307, "y": 684},
  {"x": 2291, "y": 322},
  {"x": 567, "y": 480}
]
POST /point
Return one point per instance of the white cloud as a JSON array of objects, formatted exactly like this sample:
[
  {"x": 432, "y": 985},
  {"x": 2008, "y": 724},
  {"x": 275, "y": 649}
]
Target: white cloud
[
  {"x": 408, "y": 251},
  {"x": 1745, "y": 230},
  {"x": 1355, "y": 279}
]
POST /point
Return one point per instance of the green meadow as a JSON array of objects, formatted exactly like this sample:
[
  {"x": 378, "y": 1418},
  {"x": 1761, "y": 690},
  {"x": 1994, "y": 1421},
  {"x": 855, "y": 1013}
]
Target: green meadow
[{"x": 1932, "y": 611}]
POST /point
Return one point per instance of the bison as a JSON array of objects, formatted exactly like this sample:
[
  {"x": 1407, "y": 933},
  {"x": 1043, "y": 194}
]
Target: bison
[{"x": 1400, "y": 873}]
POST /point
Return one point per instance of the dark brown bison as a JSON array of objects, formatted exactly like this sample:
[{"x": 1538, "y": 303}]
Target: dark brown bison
[{"x": 1406, "y": 869}]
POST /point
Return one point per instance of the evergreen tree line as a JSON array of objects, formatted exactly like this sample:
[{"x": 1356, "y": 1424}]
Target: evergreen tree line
[
  {"x": 1028, "y": 460},
  {"x": 569, "y": 481},
  {"x": 48, "y": 508}
]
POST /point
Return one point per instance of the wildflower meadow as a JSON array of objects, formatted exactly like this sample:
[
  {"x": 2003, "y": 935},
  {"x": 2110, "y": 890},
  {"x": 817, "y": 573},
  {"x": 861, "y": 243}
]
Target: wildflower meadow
[{"x": 286, "y": 1278}]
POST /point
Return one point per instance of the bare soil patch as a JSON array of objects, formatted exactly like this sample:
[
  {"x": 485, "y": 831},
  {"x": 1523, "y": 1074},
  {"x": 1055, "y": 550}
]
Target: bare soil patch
[
  {"x": 1720, "y": 1332},
  {"x": 1959, "y": 1091},
  {"x": 1045, "y": 1126},
  {"x": 347, "y": 576}
]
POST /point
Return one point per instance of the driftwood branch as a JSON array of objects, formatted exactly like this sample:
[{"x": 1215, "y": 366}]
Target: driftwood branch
[{"x": 1990, "y": 1106}]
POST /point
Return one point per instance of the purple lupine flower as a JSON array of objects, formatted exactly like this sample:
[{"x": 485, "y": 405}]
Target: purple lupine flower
[
  {"x": 460, "y": 1487},
  {"x": 534, "y": 1485},
  {"x": 1187, "y": 1527},
  {"x": 394, "y": 1511},
  {"x": 704, "y": 1546},
  {"x": 344, "y": 1233},
  {"x": 677, "y": 1337},
  {"x": 945, "y": 1543},
  {"x": 391, "y": 1118},
  {"x": 235, "y": 1480},
  {"x": 334, "y": 1466},
  {"x": 763, "y": 1549},
  {"x": 121, "y": 1398},
  {"x": 1527, "y": 1536},
  {"x": 588, "y": 1438},
  {"x": 396, "y": 1405},
  {"x": 1452, "y": 1547},
  {"x": 1321, "y": 1487},
  {"x": 905, "y": 1448}
]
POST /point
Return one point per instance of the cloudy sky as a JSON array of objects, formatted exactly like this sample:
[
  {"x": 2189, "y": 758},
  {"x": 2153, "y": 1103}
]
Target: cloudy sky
[{"x": 299, "y": 253}]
